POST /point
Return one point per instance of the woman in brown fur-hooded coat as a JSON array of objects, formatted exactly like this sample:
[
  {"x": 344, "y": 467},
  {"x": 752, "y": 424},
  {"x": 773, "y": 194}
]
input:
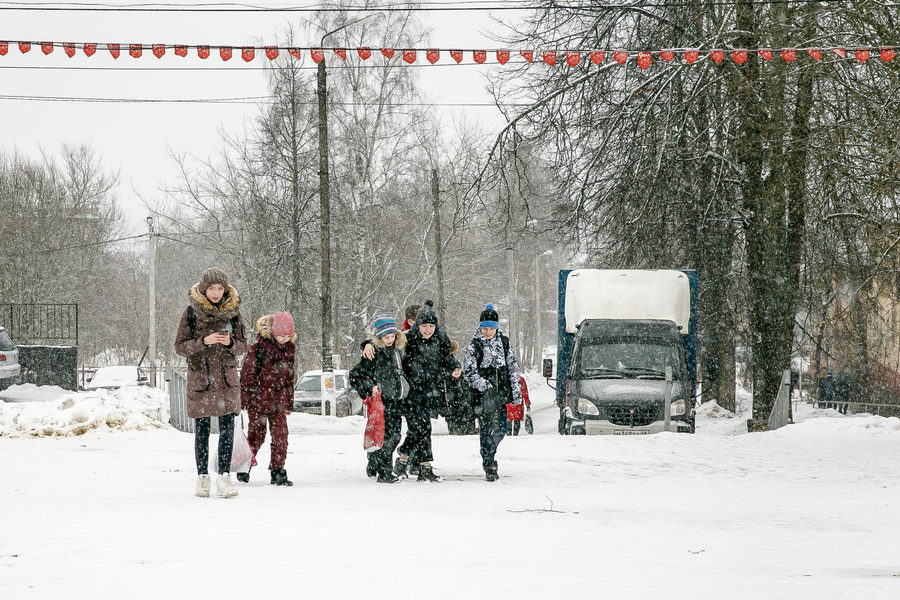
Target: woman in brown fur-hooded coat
[
  {"x": 267, "y": 389},
  {"x": 211, "y": 336}
]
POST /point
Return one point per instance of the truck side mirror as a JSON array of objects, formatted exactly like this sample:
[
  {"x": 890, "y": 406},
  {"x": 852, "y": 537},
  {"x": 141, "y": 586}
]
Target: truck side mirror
[{"x": 548, "y": 368}]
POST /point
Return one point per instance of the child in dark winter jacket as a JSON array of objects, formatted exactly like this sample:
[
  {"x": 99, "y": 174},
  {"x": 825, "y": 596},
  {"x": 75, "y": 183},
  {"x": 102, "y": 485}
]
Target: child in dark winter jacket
[
  {"x": 428, "y": 364},
  {"x": 384, "y": 372},
  {"x": 267, "y": 390},
  {"x": 491, "y": 369}
]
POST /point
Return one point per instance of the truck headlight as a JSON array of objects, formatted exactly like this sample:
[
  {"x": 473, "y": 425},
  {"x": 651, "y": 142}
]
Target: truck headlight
[
  {"x": 586, "y": 407},
  {"x": 677, "y": 407}
]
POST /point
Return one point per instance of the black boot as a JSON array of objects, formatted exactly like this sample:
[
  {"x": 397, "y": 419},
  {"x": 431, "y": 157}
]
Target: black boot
[
  {"x": 426, "y": 473},
  {"x": 371, "y": 471},
  {"x": 243, "y": 477},
  {"x": 490, "y": 471},
  {"x": 387, "y": 478},
  {"x": 400, "y": 468},
  {"x": 279, "y": 477}
]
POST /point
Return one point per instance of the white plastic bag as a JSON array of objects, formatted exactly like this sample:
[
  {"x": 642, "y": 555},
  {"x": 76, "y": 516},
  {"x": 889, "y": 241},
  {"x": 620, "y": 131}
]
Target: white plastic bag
[{"x": 241, "y": 454}]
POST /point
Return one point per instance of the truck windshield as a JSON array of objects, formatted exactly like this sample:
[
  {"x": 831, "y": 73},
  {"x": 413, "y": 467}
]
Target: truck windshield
[{"x": 629, "y": 358}]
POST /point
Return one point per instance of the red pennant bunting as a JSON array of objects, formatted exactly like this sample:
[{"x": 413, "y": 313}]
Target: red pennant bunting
[
  {"x": 644, "y": 60},
  {"x": 364, "y": 52},
  {"x": 433, "y": 55},
  {"x": 248, "y": 53},
  {"x": 887, "y": 53},
  {"x": 573, "y": 57},
  {"x": 816, "y": 53},
  {"x": 135, "y": 50},
  {"x": 89, "y": 49},
  {"x": 159, "y": 50},
  {"x": 789, "y": 54},
  {"x": 862, "y": 54},
  {"x": 225, "y": 52},
  {"x": 691, "y": 56},
  {"x": 766, "y": 53},
  {"x": 479, "y": 56},
  {"x": 113, "y": 50},
  {"x": 317, "y": 55},
  {"x": 549, "y": 57},
  {"x": 667, "y": 55},
  {"x": 271, "y": 52},
  {"x": 203, "y": 52},
  {"x": 620, "y": 56},
  {"x": 597, "y": 56},
  {"x": 46, "y": 47},
  {"x": 457, "y": 55},
  {"x": 341, "y": 52},
  {"x": 717, "y": 55},
  {"x": 69, "y": 47},
  {"x": 388, "y": 52},
  {"x": 409, "y": 56},
  {"x": 502, "y": 56},
  {"x": 24, "y": 47},
  {"x": 739, "y": 56},
  {"x": 842, "y": 52},
  {"x": 4, "y": 48},
  {"x": 528, "y": 55},
  {"x": 181, "y": 50},
  {"x": 297, "y": 53}
]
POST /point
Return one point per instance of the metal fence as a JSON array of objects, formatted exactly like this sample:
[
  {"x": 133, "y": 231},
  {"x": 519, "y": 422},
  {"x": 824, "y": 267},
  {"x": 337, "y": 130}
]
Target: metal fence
[{"x": 41, "y": 324}]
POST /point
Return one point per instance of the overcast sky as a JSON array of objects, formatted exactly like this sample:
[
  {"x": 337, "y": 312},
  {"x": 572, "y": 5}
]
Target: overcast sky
[{"x": 133, "y": 137}]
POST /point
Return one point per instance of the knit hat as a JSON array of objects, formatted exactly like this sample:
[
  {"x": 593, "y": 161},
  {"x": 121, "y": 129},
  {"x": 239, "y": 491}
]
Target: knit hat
[
  {"x": 384, "y": 325},
  {"x": 426, "y": 314},
  {"x": 283, "y": 324},
  {"x": 489, "y": 317},
  {"x": 211, "y": 277},
  {"x": 412, "y": 311}
]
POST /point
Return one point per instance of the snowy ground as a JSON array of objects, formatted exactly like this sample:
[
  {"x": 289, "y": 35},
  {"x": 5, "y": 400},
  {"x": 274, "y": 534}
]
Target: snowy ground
[{"x": 97, "y": 502}]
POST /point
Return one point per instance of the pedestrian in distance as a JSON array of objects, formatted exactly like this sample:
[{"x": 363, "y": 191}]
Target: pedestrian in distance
[
  {"x": 514, "y": 424},
  {"x": 412, "y": 311},
  {"x": 211, "y": 336},
  {"x": 267, "y": 390},
  {"x": 491, "y": 369},
  {"x": 428, "y": 364},
  {"x": 827, "y": 391},
  {"x": 384, "y": 372},
  {"x": 843, "y": 387}
]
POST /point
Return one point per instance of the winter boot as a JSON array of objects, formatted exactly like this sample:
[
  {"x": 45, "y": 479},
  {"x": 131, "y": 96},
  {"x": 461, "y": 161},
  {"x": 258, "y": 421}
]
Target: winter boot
[
  {"x": 414, "y": 469},
  {"x": 426, "y": 473},
  {"x": 490, "y": 471},
  {"x": 243, "y": 477},
  {"x": 224, "y": 487},
  {"x": 202, "y": 490},
  {"x": 371, "y": 471},
  {"x": 279, "y": 477},
  {"x": 400, "y": 467},
  {"x": 387, "y": 478}
]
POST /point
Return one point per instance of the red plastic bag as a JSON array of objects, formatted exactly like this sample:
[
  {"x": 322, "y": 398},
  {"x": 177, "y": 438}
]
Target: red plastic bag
[
  {"x": 515, "y": 412},
  {"x": 373, "y": 439}
]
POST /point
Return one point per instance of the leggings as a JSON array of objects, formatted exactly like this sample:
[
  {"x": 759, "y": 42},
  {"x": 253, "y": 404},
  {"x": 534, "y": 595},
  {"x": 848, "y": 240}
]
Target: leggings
[{"x": 201, "y": 443}]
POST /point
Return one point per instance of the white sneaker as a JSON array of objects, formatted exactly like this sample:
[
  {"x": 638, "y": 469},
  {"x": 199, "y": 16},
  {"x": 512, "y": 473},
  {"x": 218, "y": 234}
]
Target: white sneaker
[
  {"x": 224, "y": 489},
  {"x": 202, "y": 486}
]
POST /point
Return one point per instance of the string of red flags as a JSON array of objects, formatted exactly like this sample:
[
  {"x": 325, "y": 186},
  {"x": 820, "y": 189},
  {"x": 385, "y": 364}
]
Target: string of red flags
[{"x": 572, "y": 58}]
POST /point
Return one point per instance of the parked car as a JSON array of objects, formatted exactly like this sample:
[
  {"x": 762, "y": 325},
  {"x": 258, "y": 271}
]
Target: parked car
[
  {"x": 308, "y": 394},
  {"x": 10, "y": 370},
  {"x": 116, "y": 377}
]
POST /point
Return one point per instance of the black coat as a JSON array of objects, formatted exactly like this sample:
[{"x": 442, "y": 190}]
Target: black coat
[
  {"x": 385, "y": 370},
  {"x": 428, "y": 364}
]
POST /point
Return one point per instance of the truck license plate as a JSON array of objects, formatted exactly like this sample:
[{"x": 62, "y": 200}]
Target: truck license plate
[{"x": 630, "y": 432}]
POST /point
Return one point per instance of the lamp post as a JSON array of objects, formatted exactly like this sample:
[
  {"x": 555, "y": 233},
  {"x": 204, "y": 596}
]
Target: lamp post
[
  {"x": 538, "y": 345},
  {"x": 152, "y": 297},
  {"x": 324, "y": 200}
]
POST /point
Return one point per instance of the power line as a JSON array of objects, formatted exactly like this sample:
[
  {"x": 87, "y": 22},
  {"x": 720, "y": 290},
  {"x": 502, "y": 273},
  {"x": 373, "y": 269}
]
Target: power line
[
  {"x": 77, "y": 247},
  {"x": 239, "y": 100}
]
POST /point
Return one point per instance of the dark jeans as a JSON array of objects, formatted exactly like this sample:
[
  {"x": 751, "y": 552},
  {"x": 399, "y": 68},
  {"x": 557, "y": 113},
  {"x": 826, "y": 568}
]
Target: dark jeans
[
  {"x": 382, "y": 460},
  {"x": 417, "y": 444},
  {"x": 201, "y": 443},
  {"x": 492, "y": 430}
]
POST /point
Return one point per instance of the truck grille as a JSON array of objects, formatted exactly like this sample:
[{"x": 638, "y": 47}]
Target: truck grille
[{"x": 632, "y": 416}]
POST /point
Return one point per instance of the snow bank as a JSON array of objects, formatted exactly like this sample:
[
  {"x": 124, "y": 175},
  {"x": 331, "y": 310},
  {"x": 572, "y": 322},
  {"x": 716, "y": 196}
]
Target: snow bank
[{"x": 76, "y": 413}]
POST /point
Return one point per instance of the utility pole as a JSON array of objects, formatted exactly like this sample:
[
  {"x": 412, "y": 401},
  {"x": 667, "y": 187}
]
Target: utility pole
[
  {"x": 152, "y": 298},
  {"x": 513, "y": 328},
  {"x": 538, "y": 342},
  {"x": 435, "y": 193}
]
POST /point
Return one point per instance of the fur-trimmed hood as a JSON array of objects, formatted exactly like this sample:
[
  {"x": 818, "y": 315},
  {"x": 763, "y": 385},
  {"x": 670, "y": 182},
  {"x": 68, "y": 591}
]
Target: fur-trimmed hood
[
  {"x": 399, "y": 342},
  {"x": 264, "y": 328},
  {"x": 206, "y": 311}
]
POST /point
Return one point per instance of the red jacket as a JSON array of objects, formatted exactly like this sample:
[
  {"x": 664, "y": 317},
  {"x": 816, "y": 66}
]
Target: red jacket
[{"x": 270, "y": 388}]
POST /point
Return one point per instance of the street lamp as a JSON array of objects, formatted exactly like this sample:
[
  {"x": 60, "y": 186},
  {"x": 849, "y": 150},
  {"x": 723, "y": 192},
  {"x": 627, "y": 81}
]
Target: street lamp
[
  {"x": 538, "y": 346},
  {"x": 152, "y": 293},
  {"x": 324, "y": 201}
]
